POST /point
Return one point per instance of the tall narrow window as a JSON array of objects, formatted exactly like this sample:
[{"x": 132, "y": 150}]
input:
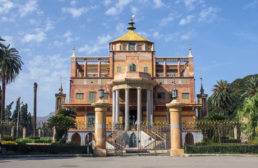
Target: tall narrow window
[
  {"x": 131, "y": 46},
  {"x": 91, "y": 97},
  {"x": 139, "y": 48},
  {"x": 132, "y": 68},
  {"x": 185, "y": 95},
  {"x": 79, "y": 95},
  {"x": 118, "y": 69},
  {"x": 146, "y": 69},
  {"x": 124, "y": 47}
]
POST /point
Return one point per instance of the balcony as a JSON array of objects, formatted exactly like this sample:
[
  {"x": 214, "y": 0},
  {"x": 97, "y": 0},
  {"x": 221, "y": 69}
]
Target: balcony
[{"x": 132, "y": 75}]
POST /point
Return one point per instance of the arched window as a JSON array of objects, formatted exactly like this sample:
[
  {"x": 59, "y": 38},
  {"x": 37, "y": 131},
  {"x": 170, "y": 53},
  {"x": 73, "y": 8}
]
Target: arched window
[
  {"x": 189, "y": 139},
  {"x": 76, "y": 138},
  {"x": 132, "y": 67}
]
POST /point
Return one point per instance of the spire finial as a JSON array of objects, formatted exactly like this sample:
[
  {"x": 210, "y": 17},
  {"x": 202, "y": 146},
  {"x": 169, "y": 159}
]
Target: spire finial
[
  {"x": 73, "y": 51},
  {"x": 61, "y": 88},
  {"x": 201, "y": 90},
  {"x": 190, "y": 53},
  {"x": 73, "y": 47},
  {"x": 131, "y": 23}
]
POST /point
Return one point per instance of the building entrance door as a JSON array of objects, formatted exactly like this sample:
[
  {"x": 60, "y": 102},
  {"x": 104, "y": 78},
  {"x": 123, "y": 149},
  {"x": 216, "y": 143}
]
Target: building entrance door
[{"x": 132, "y": 117}]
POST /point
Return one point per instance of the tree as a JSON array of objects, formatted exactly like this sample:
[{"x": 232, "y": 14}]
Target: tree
[
  {"x": 23, "y": 115},
  {"x": 10, "y": 66},
  {"x": 250, "y": 87},
  {"x": 222, "y": 96},
  {"x": 63, "y": 121},
  {"x": 15, "y": 111},
  {"x": 249, "y": 112},
  {"x": 8, "y": 112},
  {"x": 1, "y": 40}
]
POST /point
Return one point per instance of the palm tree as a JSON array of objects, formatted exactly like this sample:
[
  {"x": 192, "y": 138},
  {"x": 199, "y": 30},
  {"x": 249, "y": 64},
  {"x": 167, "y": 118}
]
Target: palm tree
[
  {"x": 1, "y": 40},
  {"x": 222, "y": 95},
  {"x": 250, "y": 88},
  {"x": 10, "y": 66}
]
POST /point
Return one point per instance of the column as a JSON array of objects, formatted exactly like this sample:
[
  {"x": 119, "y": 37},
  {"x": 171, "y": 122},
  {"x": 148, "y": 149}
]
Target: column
[
  {"x": 126, "y": 109},
  {"x": 178, "y": 68},
  {"x": 151, "y": 107},
  {"x": 12, "y": 132},
  {"x": 175, "y": 109},
  {"x": 114, "y": 107},
  {"x": 85, "y": 67},
  {"x": 39, "y": 133},
  {"x": 144, "y": 48},
  {"x": 85, "y": 120},
  {"x": 117, "y": 106},
  {"x": 165, "y": 68},
  {"x": 24, "y": 133},
  {"x": 139, "y": 107},
  {"x": 100, "y": 128},
  {"x": 54, "y": 133},
  {"x": 99, "y": 68},
  {"x": 148, "y": 108},
  {"x": 235, "y": 132},
  {"x": 135, "y": 47}
]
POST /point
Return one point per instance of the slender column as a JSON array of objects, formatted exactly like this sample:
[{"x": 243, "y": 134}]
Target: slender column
[
  {"x": 148, "y": 112},
  {"x": 35, "y": 109},
  {"x": 85, "y": 67},
  {"x": 99, "y": 68},
  {"x": 85, "y": 120},
  {"x": 24, "y": 133},
  {"x": 178, "y": 69},
  {"x": 12, "y": 131},
  {"x": 54, "y": 133},
  {"x": 126, "y": 109},
  {"x": 151, "y": 108},
  {"x": 117, "y": 106},
  {"x": 114, "y": 107},
  {"x": 165, "y": 68},
  {"x": 39, "y": 133},
  {"x": 139, "y": 107}
]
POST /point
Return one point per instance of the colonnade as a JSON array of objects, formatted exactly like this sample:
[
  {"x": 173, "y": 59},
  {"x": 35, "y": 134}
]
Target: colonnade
[
  {"x": 116, "y": 107},
  {"x": 79, "y": 74}
]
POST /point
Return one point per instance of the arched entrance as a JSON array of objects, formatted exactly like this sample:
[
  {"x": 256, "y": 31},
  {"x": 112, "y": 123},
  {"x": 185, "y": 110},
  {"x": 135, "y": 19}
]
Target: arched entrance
[
  {"x": 76, "y": 138},
  {"x": 133, "y": 140},
  {"x": 89, "y": 137},
  {"x": 189, "y": 139}
]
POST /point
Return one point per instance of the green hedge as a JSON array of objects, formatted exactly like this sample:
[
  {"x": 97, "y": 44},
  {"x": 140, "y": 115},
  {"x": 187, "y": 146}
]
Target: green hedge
[
  {"x": 22, "y": 149},
  {"x": 8, "y": 138},
  {"x": 28, "y": 140},
  {"x": 222, "y": 149}
]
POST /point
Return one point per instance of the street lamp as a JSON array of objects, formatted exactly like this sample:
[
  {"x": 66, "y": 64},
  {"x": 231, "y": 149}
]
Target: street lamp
[{"x": 101, "y": 91}]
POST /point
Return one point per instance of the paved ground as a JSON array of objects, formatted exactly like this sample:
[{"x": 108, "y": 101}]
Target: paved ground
[{"x": 132, "y": 162}]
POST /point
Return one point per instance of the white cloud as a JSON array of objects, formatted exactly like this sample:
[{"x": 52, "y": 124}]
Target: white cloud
[
  {"x": 69, "y": 40},
  {"x": 34, "y": 22},
  {"x": 158, "y": 3},
  {"x": 107, "y": 2},
  {"x": 188, "y": 35},
  {"x": 9, "y": 40},
  {"x": 97, "y": 45},
  {"x": 173, "y": 37},
  {"x": 134, "y": 10},
  {"x": 118, "y": 8},
  {"x": 38, "y": 37},
  {"x": 73, "y": 3},
  {"x": 5, "y": 19},
  {"x": 120, "y": 28},
  {"x": 6, "y": 6},
  {"x": 49, "y": 25},
  {"x": 77, "y": 12},
  {"x": 143, "y": 34},
  {"x": 157, "y": 35},
  {"x": 68, "y": 33},
  {"x": 208, "y": 14},
  {"x": 165, "y": 21},
  {"x": 58, "y": 44},
  {"x": 29, "y": 7},
  {"x": 251, "y": 5},
  {"x": 190, "y": 4},
  {"x": 187, "y": 20}
]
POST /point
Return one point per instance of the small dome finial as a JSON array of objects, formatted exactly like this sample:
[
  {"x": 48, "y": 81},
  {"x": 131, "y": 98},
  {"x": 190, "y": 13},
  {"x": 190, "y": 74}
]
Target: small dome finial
[
  {"x": 131, "y": 23},
  {"x": 73, "y": 47},
  {"x": 201, "y": 90},
  {"x": 73, "y": 51},
  {"x": 190, "y": 53},
  {"x": 190, "y": 46}
]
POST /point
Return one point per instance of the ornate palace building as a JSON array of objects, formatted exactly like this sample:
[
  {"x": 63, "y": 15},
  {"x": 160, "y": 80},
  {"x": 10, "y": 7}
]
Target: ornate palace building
[{"x": 136, "y": 81}]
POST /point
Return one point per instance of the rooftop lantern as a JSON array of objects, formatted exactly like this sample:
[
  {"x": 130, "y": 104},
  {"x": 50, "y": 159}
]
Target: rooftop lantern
[
  {"x": 174, "y": 91},
  {"x": 101, "y": 91}
]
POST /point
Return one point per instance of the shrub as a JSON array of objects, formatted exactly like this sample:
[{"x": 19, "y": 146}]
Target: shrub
[
  {"x": 28, "y": 140},
  {"x": 8, "y": 138},
  {"x": 8, "y": 143}
]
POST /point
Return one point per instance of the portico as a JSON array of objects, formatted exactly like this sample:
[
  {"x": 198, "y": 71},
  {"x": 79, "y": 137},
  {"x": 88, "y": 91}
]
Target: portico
[{"x": 130, "y": 82}]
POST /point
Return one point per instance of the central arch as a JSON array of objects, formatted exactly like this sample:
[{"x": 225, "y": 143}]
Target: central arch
[{"x": 133, "y": 140}]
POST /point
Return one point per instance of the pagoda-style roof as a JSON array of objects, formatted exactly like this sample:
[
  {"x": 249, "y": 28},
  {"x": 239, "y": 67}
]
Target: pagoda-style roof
[{"x": 131, "y": 36}]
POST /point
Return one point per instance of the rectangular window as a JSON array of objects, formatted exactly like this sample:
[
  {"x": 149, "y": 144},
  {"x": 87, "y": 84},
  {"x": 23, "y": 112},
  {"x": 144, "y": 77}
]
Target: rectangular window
[
  {"x": 139, "y": 47},
  {"x": 79, "y": 95},
  {"x": 131, "y": 46},
  {"x": 118, "y": 69},
  {"x": 161, "y": 96},
  {"x": 124, "y": 47},
  {"x": 105, "y": 96},
  {"x": 146, "y": 69},
  {"x": 185, "y": 95},
  {"x": 91, "y": 118},
  {"x": 91, "y": 97}
]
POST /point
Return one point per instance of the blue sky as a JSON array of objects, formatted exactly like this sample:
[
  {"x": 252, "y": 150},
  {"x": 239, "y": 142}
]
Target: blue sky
[{"x": 223, "y": 35}]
